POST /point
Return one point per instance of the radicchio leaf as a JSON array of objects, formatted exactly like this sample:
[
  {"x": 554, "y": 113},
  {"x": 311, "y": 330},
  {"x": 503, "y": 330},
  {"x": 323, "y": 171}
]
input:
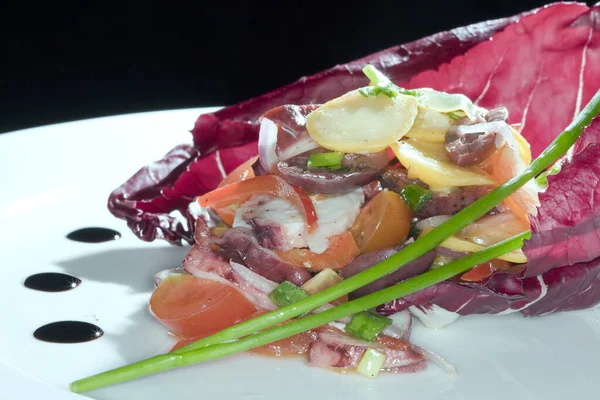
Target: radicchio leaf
[{"x": 566, "y": 230}]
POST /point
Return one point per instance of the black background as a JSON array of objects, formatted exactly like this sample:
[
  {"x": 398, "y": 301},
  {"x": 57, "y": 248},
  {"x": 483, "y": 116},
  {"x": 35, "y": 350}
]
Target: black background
[{"x": 64, "y": 62}]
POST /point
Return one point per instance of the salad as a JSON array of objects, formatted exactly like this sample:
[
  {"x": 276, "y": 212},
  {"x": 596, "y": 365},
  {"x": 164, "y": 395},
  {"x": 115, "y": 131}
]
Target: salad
[
  {"x": 370, "y": 203},
  {"x": 337, "y": 188}
]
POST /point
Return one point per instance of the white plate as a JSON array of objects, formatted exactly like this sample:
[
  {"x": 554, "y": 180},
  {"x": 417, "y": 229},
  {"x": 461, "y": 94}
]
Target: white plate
[{"x": 57, "y": 178}]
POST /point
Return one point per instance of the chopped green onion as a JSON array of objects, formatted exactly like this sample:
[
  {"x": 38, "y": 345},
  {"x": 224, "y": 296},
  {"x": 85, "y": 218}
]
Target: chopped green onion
[
  {"x": 381, "y": 84},
  {"x": 222, "y": 344},
  {"x": 416, "y": 196},
  {"x": 542, "y": 179},
  {"x": 440, "y": 261},
  {"x": 287, "y": 293},
  {"x": 367, "y": 325},
  {"x": 370, "y": 363},
  {"x": 330, "y": 160},
  {"x": 455, "y": 115},
  {"x": 375, "y": 76}
]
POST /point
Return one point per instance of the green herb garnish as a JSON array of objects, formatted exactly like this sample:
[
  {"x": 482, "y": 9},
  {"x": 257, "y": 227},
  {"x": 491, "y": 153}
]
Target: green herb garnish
[
  {"x": 381, "y": 84},
  {"x": 287, "y": 293},
  {"x": 542, "y": 179},
  {"x": 332, "y": 160},
  {"x": 367, "y": 325},
  {"x": 440, "y": 261},
  {"x": 416, "y": 196},
  {"x": 455, "y": 115}
]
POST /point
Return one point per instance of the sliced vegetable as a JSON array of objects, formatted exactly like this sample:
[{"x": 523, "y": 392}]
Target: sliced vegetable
[
  {"x": 416, "y": 196},
  {"x": 485, "y": 270},
  {"x": 456, "y": 244},
  {"x": 484, "y": 232},
  {"x": 383, "y": 223},
  {"x": 354, "y": 123},
  {"x": 448, "y": 102},
  {"x": 492, "y": 229},
  {"x": 330, "y": 160},
  {"x": 429, "y": 162},
  {"x": 291, "y": 346},
  {"x": 321, "y": 281},
  {"x": 522, "y": 145},
  {"x": 287, "y": 293},
  {"x": 370, "y": 363},
  {"x": 430, "y": 126},
  {"x": 542, "y": 179},
  {"x": 193, "y": 307},
  {"x": 341, "y": 251},
  {"x": 241, "y": 173},
  {"x": 440, "y": 261},
  {"x": 367, "y": 325},
  {"x": 505, "y": 164},
  {"x": 225, "y": 200},
  {"x": 381, "y": 84}
]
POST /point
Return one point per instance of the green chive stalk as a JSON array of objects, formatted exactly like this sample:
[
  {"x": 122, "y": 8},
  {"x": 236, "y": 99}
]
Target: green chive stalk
[
  {"x": 214, "y": 349},
  {"x": 412, "y": 285}
]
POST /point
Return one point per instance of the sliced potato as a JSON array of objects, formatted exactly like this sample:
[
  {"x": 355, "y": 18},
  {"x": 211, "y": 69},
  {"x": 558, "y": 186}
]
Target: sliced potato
[
  {"x": 456, "y": 244},
  {"x": 523, "y": 146},
  {"x": 448, "y": 102},
  {"x": 491, "y": 229},
  {"x": 430, "y": 126},
  {"x": 429, "y": 162},
  {"x": 321, "y": 281},
  {"x": 354, "y": 123},
  {"x": 484, "y": 232}
]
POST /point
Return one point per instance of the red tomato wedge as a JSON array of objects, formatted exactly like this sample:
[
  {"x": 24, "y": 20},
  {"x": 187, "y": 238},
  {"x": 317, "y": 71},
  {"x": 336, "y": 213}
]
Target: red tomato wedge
[
  {"x": 485, "y": 270},
  {"x": 382, "y": 223},
  {"x": 342, "y": 249},
  {"x": 192, "y": 307},
  {"x": 226, "y": 199},
  {"x": 241, "y": 173}
]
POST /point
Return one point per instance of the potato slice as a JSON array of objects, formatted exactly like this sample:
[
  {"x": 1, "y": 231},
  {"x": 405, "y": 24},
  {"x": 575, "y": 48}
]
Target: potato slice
[
  {"x": 430, "y": 126},
  {"x": 429, "y": 162},
  {"x": 354, "y": 123},
  {"x": 448, "y": 102}
]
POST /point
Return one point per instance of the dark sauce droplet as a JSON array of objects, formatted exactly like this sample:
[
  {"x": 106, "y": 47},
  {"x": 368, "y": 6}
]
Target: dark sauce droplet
[
  {"x": 68, "y": 332},
  {"x": 52, "y": 282},
  {"x": 94, "y": 235}
]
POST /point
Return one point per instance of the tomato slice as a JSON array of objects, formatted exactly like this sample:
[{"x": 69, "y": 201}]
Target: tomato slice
[
  {"x": 241, "y": 173},
  {"x": 227, "y": 198},
  {"x": 485, "y": 270},
  {"x": 192, "y": 307},
  {"x": 342, "y": 249},
  {"x": 382, "y": 223}
]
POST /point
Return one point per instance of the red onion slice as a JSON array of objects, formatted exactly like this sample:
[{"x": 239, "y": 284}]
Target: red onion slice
[
  {"x": 438, "y": 360},
  {"x": 253, "y": 279},
  {"x": 401, "y": 325},
  {"x": 267, "y": 143}
]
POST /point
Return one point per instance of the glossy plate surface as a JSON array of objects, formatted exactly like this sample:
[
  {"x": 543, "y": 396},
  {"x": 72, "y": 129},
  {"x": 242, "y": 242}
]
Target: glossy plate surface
[{"x": 56, "y": 179}]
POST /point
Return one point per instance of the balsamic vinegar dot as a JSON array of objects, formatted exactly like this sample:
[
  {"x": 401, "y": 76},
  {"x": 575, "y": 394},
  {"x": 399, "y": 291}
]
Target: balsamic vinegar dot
[
  {"x": 52, "y": 282},
  {"x": 94, "y": 235},
  {"x": 68, "y": 332}
]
